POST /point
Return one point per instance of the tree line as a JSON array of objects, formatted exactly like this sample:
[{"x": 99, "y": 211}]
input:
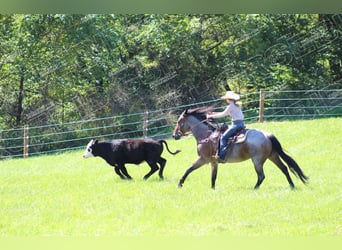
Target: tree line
[{"x": 57, "y": 68}]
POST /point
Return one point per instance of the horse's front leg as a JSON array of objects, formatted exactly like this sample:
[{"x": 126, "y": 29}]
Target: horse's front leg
[
  {"x": 213, "y": 173},
  {"x": 198, "y": 163}
]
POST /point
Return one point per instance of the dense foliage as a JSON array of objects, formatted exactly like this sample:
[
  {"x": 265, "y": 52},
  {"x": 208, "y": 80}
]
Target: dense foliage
[{"x": 60, "y": 68}]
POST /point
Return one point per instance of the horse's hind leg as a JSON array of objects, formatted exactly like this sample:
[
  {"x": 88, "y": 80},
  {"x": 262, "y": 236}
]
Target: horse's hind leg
[
  {"x": 276, "y": 160},
  {"x": 259, "y": 168}
]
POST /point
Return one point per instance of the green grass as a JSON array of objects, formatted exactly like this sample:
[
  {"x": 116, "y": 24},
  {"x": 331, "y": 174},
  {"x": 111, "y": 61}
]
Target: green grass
[{"x": 66, "y": 195}]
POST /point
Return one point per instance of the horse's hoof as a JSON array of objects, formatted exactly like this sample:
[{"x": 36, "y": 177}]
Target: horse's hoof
[{"x": 180, "y": 185}]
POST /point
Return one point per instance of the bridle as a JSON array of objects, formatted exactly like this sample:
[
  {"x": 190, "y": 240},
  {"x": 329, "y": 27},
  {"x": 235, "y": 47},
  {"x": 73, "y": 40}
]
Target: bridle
[{"x": 178, "y": 133}]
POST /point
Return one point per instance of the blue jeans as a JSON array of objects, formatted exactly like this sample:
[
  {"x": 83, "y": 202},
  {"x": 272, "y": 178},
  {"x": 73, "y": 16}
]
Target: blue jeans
[{"x": 228, "y": 133}]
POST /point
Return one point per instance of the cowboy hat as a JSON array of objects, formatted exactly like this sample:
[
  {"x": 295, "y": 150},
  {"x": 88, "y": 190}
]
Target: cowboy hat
[{"x": 231, "y": 96}]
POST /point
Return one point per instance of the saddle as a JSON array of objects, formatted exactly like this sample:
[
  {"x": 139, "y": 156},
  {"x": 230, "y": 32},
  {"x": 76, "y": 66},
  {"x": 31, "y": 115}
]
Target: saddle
[{"x": 238, "y": 137}]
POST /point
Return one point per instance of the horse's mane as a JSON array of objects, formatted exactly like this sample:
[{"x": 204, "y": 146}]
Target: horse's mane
[{"x": 201, "y": 114}]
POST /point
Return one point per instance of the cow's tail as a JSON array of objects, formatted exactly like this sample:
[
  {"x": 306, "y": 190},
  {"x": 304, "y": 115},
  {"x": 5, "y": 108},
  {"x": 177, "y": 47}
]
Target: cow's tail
[{"x": 167, "y": 147}]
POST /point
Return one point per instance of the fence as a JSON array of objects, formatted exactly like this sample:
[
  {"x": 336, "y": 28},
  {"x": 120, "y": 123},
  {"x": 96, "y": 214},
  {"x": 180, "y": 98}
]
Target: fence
[{"x": 257, "y": 107}]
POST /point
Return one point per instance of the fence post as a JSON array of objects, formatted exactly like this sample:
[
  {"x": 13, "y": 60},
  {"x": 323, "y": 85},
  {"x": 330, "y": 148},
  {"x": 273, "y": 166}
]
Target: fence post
[
  {"x": 145, "y": 124},
  {"x": 26, "y": 141},
  {"x": 261, "y": 105}
]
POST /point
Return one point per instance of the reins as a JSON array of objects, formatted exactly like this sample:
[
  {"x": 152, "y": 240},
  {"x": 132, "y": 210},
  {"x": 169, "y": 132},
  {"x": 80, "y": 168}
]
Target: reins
[{"x": 200, "y": 122}]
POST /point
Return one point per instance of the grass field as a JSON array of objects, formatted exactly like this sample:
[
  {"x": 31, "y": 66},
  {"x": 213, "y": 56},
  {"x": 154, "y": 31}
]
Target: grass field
[{"x": 66, "y": 195}]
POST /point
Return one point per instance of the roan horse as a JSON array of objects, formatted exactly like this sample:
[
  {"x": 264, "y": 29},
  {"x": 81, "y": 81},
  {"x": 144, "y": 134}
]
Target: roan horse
[{"x": 258, "y": 146}]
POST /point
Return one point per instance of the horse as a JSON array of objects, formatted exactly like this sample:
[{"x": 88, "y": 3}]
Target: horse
[{"x": 258, "y": 146}]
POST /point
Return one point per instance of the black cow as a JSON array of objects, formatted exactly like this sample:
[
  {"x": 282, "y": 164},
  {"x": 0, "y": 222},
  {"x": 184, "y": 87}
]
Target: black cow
[{"x": 119, "y": 152}]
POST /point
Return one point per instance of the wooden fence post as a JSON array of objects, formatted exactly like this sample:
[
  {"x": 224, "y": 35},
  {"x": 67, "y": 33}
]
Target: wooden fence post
[
  {"x": 26, "y": 141},
  {"x": 145, "y": 124},
  {"x": 261, "y": 105}
]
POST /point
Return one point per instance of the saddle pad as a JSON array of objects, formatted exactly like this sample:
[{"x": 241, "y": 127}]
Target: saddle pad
[{"x": 240, "y": 137}]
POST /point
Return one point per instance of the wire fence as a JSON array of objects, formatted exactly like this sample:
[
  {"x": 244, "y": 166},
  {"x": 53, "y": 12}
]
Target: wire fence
[{"x": 268, "y": 105}]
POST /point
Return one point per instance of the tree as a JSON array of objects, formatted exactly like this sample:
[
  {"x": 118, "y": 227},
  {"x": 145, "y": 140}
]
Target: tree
[{"x": 58, "y": 68}]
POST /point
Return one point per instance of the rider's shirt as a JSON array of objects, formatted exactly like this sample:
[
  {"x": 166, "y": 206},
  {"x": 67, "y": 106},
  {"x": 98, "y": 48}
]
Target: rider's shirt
[{"x": 232, "y": 110}]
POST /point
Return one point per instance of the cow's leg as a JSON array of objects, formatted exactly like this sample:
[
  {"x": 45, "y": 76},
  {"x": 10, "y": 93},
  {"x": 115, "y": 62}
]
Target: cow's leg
[
  {"x": 162, "y": 163},
  {"x": 124, "y": 171},
  {"x": 154, "y": 168},
  {"x": 117, "y": 171}
]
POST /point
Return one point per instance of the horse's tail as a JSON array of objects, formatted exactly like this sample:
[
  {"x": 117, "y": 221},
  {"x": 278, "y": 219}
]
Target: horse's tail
[
  {"x": 288, "y": 159},
  {"x": 167, "y": 147}
]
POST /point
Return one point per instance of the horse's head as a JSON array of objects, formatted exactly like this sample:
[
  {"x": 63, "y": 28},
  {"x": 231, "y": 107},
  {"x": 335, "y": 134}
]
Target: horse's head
[
  {"x": 191, "y": 119},
  {"x": 182, "y": 126}
]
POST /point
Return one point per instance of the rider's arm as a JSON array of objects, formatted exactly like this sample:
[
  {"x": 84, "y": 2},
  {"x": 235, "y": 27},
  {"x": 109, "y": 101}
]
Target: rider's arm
[{"x": 222, "y": 114}]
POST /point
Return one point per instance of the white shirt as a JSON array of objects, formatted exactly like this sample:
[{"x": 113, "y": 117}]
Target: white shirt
[{"x": 232, "y": 110}]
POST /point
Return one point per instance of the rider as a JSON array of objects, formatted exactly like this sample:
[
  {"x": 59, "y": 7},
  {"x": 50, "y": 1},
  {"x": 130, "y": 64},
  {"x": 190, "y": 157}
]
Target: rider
[{"x": 233, "y": 110}]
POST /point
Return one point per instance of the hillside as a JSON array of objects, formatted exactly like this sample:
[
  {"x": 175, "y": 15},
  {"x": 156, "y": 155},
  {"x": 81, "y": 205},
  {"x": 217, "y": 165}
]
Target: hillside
[{"x": 66, "y": 195}]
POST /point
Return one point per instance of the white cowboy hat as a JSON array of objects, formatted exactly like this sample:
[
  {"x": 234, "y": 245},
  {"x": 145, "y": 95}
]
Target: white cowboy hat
[{"x": 231, "y": 96}]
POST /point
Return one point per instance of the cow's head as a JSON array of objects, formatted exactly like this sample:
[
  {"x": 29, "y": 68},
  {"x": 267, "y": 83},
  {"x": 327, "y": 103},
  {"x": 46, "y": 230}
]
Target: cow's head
[{"x": 89, "y": 149}]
